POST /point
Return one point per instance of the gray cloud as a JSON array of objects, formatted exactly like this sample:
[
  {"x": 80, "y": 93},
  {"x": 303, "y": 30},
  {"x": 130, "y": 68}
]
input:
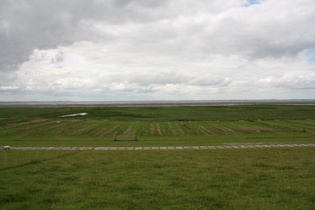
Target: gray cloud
[
  {"x": 266, "y": 29},
  {"x": 149, "y": 46},
  {"x": 28, "y": 25},
  {"x": 269, "y": 29},
  {"x": 34, "y": 24}
]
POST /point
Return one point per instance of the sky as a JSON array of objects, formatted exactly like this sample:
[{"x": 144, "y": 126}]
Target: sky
[{"x": 130, "y": 50}]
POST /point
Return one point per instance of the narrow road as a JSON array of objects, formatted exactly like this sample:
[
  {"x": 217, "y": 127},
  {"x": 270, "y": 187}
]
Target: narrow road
[{"x": 240, "y": 146}]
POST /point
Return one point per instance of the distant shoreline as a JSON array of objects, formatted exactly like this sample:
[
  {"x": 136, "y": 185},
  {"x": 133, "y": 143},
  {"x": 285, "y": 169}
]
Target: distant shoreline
[{"x": 153, "y": 103}]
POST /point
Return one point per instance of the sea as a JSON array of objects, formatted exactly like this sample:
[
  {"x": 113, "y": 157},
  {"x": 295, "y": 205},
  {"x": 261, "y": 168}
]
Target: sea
[{"x": 157, "y": 103}]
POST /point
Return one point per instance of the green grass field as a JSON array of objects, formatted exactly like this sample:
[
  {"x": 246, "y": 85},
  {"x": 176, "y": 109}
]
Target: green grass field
[
  {"x": 274, "y": 178},
  {"x": 265, "y": 178}
]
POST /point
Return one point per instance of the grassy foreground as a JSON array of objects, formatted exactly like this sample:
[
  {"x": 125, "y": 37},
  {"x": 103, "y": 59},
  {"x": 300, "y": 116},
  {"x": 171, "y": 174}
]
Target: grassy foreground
[{"x": 274, "y": 178}]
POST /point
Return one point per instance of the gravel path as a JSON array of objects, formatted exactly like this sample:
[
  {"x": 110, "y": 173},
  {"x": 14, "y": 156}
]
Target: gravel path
[{"x": 240, "y": 146}]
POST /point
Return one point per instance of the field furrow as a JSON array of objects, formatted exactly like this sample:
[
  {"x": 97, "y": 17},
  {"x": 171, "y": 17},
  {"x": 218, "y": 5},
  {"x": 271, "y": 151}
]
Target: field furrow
[
  {"x": 137, "y": 128},
  {"x": 42, "y": 128},
  {"x": 190, "y": 128},
  {"x": 66, "y": 130},
  {"x": 128, "y": 131},
  {"x": 127, "y": 128},
  {"x": 174, "y": 133},
  {"x": 287, "y": 126},
  {"x": 111, "y": 131},
  {"x": 32, "y": 127},
  {"x": 207, "y": 131},
  {"x": 247, "y": 127},
  {"x": 79, "y": 127},
  {"x": 143, "y": 131},
  {"x": 307, "y": 125},
  {"x": 102, "y": 127},
  {"x": 178, "y": 128},
  {"x": 94, "y": 127},
  {"x": 80, "y": 130},
  {"x": 60, "y": 128},
  {"x": 158, "y": 129},
  {"x": 21, "y": 124},
  {"x": 215, "y": 128}
]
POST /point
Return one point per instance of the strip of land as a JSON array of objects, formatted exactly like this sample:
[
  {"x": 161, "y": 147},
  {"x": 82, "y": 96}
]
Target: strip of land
[
  {"x": 166, "y": 148},
  {"x": 154, "y": 103}
]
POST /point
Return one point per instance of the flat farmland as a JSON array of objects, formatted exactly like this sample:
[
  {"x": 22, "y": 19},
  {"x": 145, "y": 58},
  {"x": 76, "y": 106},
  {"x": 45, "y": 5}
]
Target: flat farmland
[
  {"x": 90, "y": 128},
  {"x": 156, "y": 125}
]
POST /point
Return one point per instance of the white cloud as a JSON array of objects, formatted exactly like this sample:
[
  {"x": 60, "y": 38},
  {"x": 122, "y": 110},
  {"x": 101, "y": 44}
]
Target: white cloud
[
  {"x": 291, "y": 81},
  {"x": 83, "y": 50}
]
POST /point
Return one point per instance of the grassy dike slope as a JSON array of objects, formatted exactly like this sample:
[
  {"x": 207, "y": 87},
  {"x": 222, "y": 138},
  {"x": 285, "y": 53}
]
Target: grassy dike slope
[{"x": 273, "y": 178}]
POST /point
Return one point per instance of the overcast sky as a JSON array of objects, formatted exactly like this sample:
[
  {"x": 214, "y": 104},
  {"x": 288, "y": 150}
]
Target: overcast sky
[{"x": 105, "y": 50}]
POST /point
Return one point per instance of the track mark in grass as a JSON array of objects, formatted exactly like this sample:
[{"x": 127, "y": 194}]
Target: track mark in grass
[
  {"x": 175, "y": 128},
  {"x": 207, "y": 132},
  {"x": 211, "y": 127},
  {"x": 31, "y": 128},
  {"x": 13, "y": 198},
  {"x": 155, "y": 129},
  {"x": 127, "y": 131},
  {"x": 51, "y": 127},
  {"x": 21, "y": 124},
  {"x": 188, "y": 128},
  {"x": 70, "y": 128},
  {"x": 179, "y": 128},
  {"x": 105, "y": 129},
  {"x": 158, "y": 128},
  {"x": 225, "y": 129},
  {"x": 96, "y": 129},
  {"x": 136, "y": 129},
  {"x": 143, "y": 129},
  {"x": 110, "y": 132},
  {"x": 307, "y": 126},
  {"x": 60, "y": 127},
  {"x": 238, "y": 128},
  {"x": 276, "y": 125},
  {"x": 83, "y": 129},
  {"x": 151, "y": 129},
  {"x": 172, "y": 129},
  {"x": 27, "y": 158},
  {"x": 298, "y": 126}
]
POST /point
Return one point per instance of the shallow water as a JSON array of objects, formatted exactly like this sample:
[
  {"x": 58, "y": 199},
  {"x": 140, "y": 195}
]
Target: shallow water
[{"x": 72, "y": 115}]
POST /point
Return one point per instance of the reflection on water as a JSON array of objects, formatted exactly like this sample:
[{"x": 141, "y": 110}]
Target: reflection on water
[{"x": 72, "y": 115}]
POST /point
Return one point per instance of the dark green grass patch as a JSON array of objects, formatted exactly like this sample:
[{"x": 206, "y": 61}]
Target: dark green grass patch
[
  {"x": 156, "y": 141},
  {"x": 16, "y": 158},
  {"x": 274, "y": 178},
  {"x": 200, "y": 113}
]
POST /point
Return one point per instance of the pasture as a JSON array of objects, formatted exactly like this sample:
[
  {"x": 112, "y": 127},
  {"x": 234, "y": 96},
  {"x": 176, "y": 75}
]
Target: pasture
[{"x": 265, "y": 178}]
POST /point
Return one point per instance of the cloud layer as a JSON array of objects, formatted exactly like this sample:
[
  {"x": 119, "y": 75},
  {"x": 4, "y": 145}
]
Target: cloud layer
[{"x": 143, "y": 49}]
